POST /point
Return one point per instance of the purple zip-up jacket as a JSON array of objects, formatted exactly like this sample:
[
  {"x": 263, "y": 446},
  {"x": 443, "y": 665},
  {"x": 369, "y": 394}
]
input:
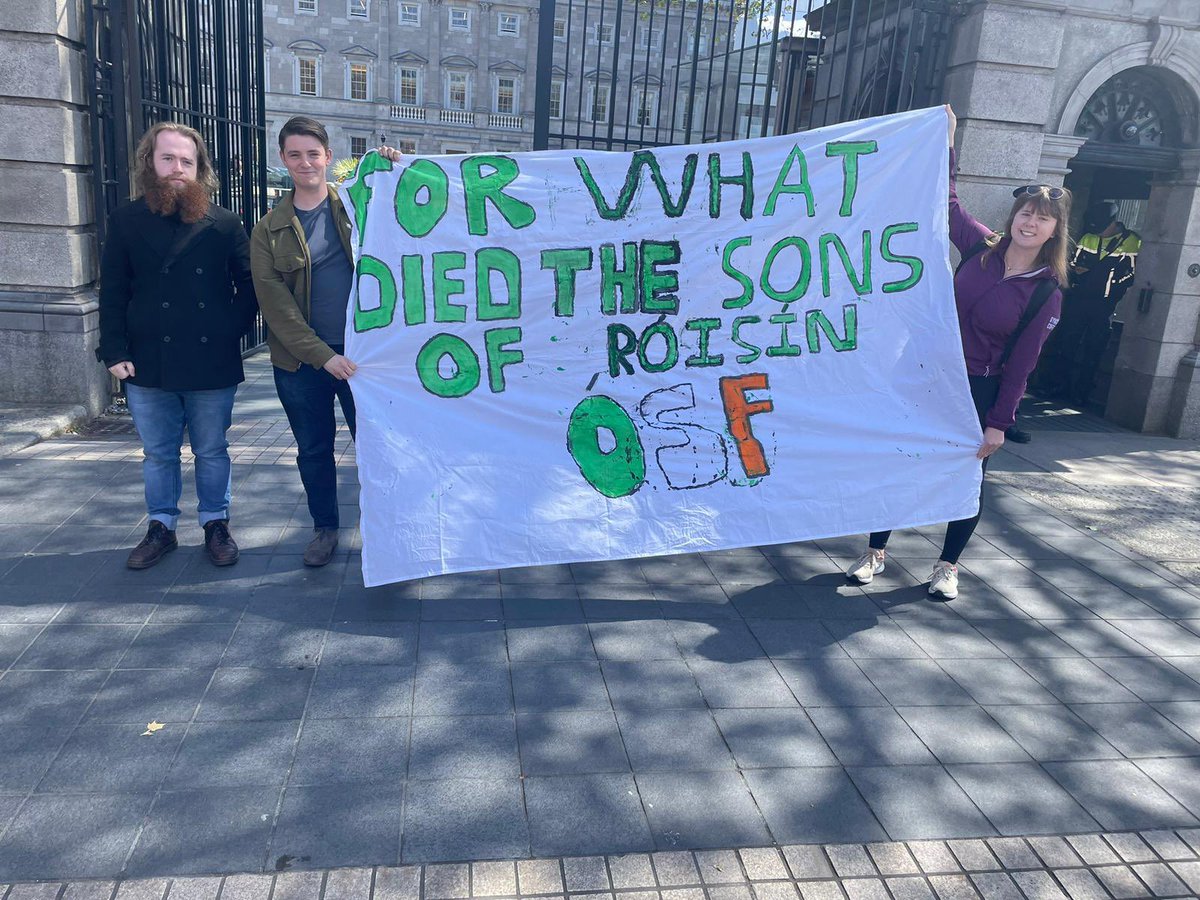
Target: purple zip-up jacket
[{"x": 989, "y": 309}]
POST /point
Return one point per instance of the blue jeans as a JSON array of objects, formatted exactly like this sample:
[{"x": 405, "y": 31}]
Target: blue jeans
[
  {"x": 160, "y": 417},
  {"x": 307, "y": 396}
]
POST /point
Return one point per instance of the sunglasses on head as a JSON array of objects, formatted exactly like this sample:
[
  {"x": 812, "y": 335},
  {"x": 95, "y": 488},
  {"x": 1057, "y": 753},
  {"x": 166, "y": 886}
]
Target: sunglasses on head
[{"x": 1033, "y": 190}]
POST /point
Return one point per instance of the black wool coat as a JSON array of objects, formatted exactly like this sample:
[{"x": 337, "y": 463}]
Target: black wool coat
[{"x": 175, "y": 299}]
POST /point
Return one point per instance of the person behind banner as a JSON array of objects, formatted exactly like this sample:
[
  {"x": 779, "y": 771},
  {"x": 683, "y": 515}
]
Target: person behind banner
[
  {"x": 175, "y": 299},
  {"x": 1008, "y": 296},
  {"x": 303, "y": 271}
]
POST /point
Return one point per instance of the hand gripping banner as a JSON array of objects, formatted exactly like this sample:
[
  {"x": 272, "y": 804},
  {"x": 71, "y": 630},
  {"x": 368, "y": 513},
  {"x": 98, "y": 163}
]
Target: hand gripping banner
[{"x": 574, "y": 355}]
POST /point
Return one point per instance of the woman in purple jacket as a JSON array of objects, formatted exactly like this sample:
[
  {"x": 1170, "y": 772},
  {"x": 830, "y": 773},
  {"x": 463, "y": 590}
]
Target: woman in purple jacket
[{"x": 992, "y": 289}]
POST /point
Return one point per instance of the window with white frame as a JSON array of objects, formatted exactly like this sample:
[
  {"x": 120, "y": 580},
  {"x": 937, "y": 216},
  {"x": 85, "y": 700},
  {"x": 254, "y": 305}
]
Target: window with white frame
[
  {"x": 306, "y": 76},
  {"x": 598, "y": 102},
  {"x": 684, "y": 110},
  {"x": 649, "y": 38},
  {"x": 602, "y": 33},
  {"x": 410, "y": 13},
  {"x": 460, "y": 18},
  {"x": 560, "y": 29},
  {"x": 358, "y": 9},
  {"x": 508, "y": 24},
  {"x": 557, "y": 90},
  {"x": 408, "y": 86},
  {"x": 645, "y": 109},
  {"x": 690, "y": 44},
  {"x": 356, "y": 81},
  {"x": 458, "y": 89},
  {"x": 406, "y": 146},
  {"x": 506, "y": 95},
  {"x": 306, "y": 7},
  {"x": 358, "y": 146}
]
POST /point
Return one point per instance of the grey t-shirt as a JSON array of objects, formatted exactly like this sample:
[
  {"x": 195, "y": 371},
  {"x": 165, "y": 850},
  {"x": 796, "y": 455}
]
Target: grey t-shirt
[{"x": 332, "y": 274}]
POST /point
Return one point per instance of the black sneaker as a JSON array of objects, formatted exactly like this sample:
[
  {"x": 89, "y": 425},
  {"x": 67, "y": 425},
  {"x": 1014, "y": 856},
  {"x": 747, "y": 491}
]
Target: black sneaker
[
  {"x": 221, "y": 547},
  {"x": 1017, "y": 435},
  {"x": 158, "y": 542}
]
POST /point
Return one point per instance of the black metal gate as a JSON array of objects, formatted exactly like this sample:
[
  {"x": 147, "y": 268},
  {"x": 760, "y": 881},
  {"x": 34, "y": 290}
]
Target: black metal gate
[
  {"x": 623, "y": 74},
  {"x": 199, "y": 62}
]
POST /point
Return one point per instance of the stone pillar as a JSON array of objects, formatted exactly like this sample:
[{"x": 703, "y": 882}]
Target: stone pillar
[
  {"x": 1156, "y": 385},
  {"x": 48, "y": 309}
]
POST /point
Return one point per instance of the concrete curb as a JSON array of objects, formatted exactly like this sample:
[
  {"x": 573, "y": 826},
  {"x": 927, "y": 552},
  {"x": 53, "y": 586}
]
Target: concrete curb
[{"x": 23, "y": 425}]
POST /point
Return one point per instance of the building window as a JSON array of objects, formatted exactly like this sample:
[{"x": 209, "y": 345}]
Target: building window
[
  {"x": 358, "y": 147},
  {"x": 598, "y": 105},
  {"x": 357, "y": 82},
  {"x": 560, "y": 29},
  {"x": 690, "y": 44},
  {"x": 306, "y": 77},
  {"x": 506, "y": 96},
  {"x": 306, "y": 7},
  {"x": 508, "y": 24},
  {"x": 556, "y": 99},
  {"x": 649, "y": 38},
  {"x": 456, "y": 90},
  {"x": 685, "y": 111},
  {"x": 406, "y": 146},
  {"x": 358, "y": 9},
  {"x": 410, "y": 13},
  {"x": 460, "y": 19},
  {"x": 646, "y": 109},
  {"x": 408, "y": 86},
  {"x": 602, "y": 33}
]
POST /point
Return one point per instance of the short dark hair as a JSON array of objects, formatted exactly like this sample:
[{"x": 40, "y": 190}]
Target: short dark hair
[{"x": 303, "y": 125}]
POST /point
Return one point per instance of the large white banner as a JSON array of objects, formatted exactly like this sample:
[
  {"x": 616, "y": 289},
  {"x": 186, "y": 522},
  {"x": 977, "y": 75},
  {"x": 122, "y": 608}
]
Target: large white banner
[{"x": 574, "y": 355}]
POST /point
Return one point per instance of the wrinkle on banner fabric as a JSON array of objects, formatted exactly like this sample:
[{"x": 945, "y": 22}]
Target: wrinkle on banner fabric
[{"x": 573, "y": 355}]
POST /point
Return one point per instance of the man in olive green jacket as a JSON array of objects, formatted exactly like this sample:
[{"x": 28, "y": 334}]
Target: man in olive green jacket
[{"x": 303, "y": 270}]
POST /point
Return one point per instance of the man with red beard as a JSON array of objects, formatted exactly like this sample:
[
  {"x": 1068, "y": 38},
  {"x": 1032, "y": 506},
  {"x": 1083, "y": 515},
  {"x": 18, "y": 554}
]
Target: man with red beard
[{"x": 176, "y": 296}]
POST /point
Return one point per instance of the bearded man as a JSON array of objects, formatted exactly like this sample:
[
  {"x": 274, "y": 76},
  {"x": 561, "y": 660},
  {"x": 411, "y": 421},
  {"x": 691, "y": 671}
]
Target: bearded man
[{"x": 176, "y": 296}]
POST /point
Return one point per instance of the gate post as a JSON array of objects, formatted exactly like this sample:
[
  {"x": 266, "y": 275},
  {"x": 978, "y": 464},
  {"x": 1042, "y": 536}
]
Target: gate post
[{"x": 541, "y": 88}]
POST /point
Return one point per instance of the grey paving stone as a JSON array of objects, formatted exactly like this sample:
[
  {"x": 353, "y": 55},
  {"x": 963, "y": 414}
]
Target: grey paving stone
[
  {"x": 1130, "y": 848},
  {"x": 142, "y": 889},
  {"x": 462, "y": 689},
  {"x": 914, "y": 682},
  {"x": 370, "y": 643},
  {"x": 873, "y": 639},
  {"x": 783, "y": 890},
  {"x": 741, "y": 685},
  {"x": 719, "y": 867},
  {"x": 1052, "y": 733},
  {"x": 673, "y": 739},
  {"x": 675, "y": 868},
  {"x": 817, "y": 890},
  {"x": 865, "y": 889},
  {"x": 950, "y": 639},
  {"x": 769, "y": 738},
  {"x": 635, "y": 640},
  {"x": 536, "y": 641},
  {"x": 1168, "y": 845},
  {"x": 850, "y": 860},
  {"x": 397, "y": 883},
  {"x": 298, "y": 886},
  {"x": 355, "y": 692},
  {"x": 26, "y": 752},
  {"x": 631, "y": 871},
  {"x": 1055, "y": 852},
  {"x": 275, "y": 604},
  {"x": 343, "y": 750},
  {"x": 701, "y": 809},
  {"x": 729, "y": 892},
  {"x": 715, "y": 640},
  {"x": 275, "y": 644},
  {"x": 870, "y": 736},
  {"x": 1080, "y": 884},
  {"x": 450, "y": 880},
  {"x": 1120, "y": 882},
  {"x": 1160, "y": 879},
  {"x": 223, "y": 754},
  {"x": 112, "y": 758},
  {"x": 195, "y": 888},
  {"x": 138, "y": 696},
  {"x": 1024, "y": 638},
  {"x": 461, "y": 642},
  {"x": 806, "y": 861},
  {"x": 89, "y": 890},
  {"x": 43, "y": 891},
  {"x": 996, "y": 681},
  {"x": 565, "y": 685},
  {"x": 577, "y": 813},
  {"x": 806, "y": 639},
  {"x": 392, "y": 603},
  {"x": 493, "y": 879},
  {"x": 934, "y": 857},
  {"x": 762, "y": 863},
  {"x": 1077, "y": 681},
  {"x": 585, "y": 873},
  {"x": 1162, "y": 637},
  {"x": 539, "y": 876},
  {"x": 1179, "y": 776},
  {"x": 1038, "y": 886},
  {"x": 910, "y": 888},
  {"x": 893, "y": 858},
  {"x": 49, "y": 699},
  {"x": 962, "y": 734},
  {"x": 996, "y": 886},
  {"x": 1185, "y": 715},
  {"x": 1118, "y": 795},
  {"x": 345, "y": 824},
  {"x": 953, "y": 887},
  {"x": 1013, "y": 852},
  {"x": 652, "y": 685},
  {"x": 190, "y": 645},
  {"x": 973, "y": 855},
  {"x": 349, "y": 884},
  {"x": 464, "y": 819},
  {"x": 1092, "y": 849},
  {"x": 571, "y": 743},
  {"x": 87, "y": 835},
  {"x": 1136, "y": 729},
  {"x": 1189, "y": 872},
  {"x": 829, "y": 682},
  {"x": 249, "y": 695},
  {"x": 13, "y": 641},
  {"x": 916, "y": 802},
  {"x": 811, "y": 805},
  {"x": 1020, "y": 798},
  {"x": 459, "y": 747}
]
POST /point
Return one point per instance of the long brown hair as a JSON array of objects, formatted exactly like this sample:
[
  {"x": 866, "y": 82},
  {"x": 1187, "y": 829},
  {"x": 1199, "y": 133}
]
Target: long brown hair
[
  {"x": 143, "y": 170},
  {"x": 1055, "y": 252}
]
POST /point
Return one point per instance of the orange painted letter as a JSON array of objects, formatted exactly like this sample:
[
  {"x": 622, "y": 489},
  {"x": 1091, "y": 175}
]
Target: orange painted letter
[{"x": 738, "y": 413}]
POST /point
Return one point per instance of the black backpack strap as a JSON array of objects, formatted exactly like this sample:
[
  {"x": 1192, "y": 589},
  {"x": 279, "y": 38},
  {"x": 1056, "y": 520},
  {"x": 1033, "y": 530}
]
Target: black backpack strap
[
  {"x": 1041, "y": 294},
  {"x": 975, "y": 249}
]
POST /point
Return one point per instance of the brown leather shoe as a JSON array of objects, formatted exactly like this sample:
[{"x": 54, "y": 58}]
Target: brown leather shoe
[
  {"x": 158, "y": 542},
  {"x": 221, "y": 547},
  {"x": 320, "y": 548}
]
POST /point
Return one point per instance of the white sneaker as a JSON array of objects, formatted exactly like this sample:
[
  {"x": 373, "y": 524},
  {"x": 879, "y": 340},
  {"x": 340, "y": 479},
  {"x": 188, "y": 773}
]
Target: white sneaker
[
  {"x": 867, "y": 567},
  {"x": 944, "y": 581}
]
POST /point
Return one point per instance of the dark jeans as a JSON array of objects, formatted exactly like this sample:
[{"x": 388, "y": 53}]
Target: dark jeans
[
  {"x": 307, "y": 396},
  {"x": 958, "y": 532}
]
